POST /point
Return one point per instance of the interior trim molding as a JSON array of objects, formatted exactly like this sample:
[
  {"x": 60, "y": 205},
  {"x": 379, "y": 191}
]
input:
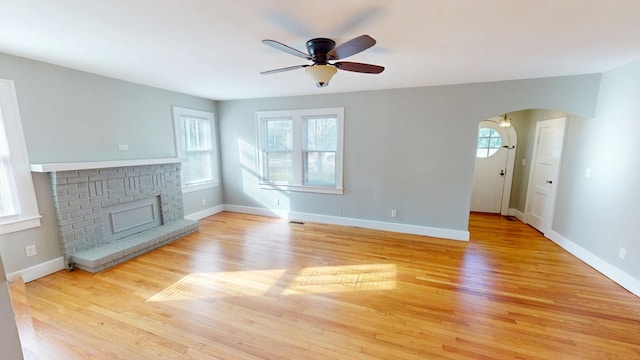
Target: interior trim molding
[
  {"x": 38, "y": 271},
  {"x": 620, "y": 277},
  {"x": 52, "y": 266},
  {"x": 72, "y": 166},
  {"x": 204, "y": 213},
  {"x": 368, "y": 224},
  {"x": 517, "y": 213}
]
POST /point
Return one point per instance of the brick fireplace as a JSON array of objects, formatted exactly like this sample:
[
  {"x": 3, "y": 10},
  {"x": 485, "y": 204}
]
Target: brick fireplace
[{"x": 113, "y": 211}]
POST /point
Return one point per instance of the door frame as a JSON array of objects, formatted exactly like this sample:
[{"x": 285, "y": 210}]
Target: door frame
[
  {"x": 511, "y": 159},
  {"x": 510, "y": 146},
  {"x": 550, "y": 205}
]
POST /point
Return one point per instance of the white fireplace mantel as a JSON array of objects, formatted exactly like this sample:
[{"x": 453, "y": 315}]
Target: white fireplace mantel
[{"x": 72, "y": 166}]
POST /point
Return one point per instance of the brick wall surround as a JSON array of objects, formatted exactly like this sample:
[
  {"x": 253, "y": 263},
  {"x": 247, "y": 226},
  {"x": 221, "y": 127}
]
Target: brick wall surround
[{"x": 80, "y": 195}]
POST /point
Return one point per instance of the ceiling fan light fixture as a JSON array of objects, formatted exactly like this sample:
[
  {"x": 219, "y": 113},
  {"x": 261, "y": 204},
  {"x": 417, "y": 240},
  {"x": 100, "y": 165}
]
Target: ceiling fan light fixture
[{"x": 321, "y": 74}]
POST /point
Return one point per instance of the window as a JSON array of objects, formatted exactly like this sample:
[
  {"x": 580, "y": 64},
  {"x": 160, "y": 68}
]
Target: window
[
  {"x": 489, "y": 141},
  {"x": 278, "y": 134},
  {"x": 196, "y": 143},
  {"x": 301, "y": 150},
  {"x": 18, "y": 206},
  {"x": 319, "y": 149}
]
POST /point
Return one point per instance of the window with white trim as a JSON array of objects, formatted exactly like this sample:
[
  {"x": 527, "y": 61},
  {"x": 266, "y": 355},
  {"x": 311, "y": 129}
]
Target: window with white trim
[
  {"x": 18, "y": 206},
  {"x": 196, "y": 144},
  {"x": 301, "y": 150}
]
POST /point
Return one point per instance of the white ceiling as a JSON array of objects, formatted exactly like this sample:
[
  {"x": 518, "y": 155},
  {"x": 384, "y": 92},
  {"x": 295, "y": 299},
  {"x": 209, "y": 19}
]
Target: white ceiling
[{"x": 213, "y": 49}]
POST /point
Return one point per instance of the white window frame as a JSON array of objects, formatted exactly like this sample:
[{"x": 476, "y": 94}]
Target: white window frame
[
  {"x": 27, "y": 215},
  {"x": 297, "y": 177},
  {"x": 178, "y": 114}
]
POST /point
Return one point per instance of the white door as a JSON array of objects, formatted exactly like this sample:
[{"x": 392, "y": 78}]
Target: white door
[
  {"x": 493, "y": 168},
  {"x": 543, "y": 178}
]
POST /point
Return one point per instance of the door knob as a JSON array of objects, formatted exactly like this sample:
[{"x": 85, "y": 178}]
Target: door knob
[
  {"x": 549, "y": 182},
  {"x": 501, "y": 172}
]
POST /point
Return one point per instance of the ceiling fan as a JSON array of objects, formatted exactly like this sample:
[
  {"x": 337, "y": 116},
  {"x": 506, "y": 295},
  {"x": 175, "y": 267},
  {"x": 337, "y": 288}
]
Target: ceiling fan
[{"x": 323, "y": 52}]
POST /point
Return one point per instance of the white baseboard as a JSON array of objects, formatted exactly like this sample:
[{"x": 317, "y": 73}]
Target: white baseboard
[
  {"x": 52, "y": 266},
  {"x": 204, "y": 213},
  {"x": 620, "y": 277},
  {"x": 368, "y": 224},
  {"x": 517, "y": 213},
  {"x": 38, "y": 271}
]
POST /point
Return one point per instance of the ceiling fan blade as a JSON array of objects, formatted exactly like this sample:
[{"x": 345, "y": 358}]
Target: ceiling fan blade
[
  {"x": 285, "y": 48},
  {"x": 351, "y": 47},
  {"x": 359, "y": 67},
  {"x": 283, "y": 69}
]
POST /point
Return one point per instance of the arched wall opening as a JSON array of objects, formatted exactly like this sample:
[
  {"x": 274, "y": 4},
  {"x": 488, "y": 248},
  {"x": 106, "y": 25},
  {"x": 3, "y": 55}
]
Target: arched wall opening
[{"x": 524, "y": 124}]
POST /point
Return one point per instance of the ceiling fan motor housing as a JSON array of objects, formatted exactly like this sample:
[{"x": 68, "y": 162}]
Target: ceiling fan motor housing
[{"x": 318, "y": 48}]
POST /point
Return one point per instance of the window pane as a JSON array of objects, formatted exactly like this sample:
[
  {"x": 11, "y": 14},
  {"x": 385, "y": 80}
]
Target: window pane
[
  {"x": 18, "y": 206},
  {"x": 489, "y": 142},
  {"x": 197, "y": 148},
  {"x": 196, "y": 133},
  {"x": 320, "y": 168},
  {"x": 481, "y": 153},
  {"x": 483, "y": 142},
  {"x": 322, "y": 134},
  {"x": 278, "y": 134},
  {"x": 7, "y": 201},
  {"x": 278, "y": 167},
  {"x": 197, "y": 168},
  {"x": 8, "y": 204},
  {"x": 4, "y": 145}
]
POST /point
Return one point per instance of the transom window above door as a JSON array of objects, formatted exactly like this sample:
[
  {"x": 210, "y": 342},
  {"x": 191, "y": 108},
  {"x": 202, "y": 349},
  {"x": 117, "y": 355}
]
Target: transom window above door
[{"x": 489, "y": 142}]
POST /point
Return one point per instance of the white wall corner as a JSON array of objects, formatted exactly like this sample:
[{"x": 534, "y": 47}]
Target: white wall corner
[
  {"x": 368, "y": 224},
  {"x": 38, "y": 271},
  {"x": 620, "y": 277},
  {"x": 204, "y": 213}
]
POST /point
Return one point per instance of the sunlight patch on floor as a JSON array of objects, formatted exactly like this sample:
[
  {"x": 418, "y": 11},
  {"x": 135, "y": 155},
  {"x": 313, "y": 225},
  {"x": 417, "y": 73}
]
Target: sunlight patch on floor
[
  {"x": 329, "y": 279},
  {"x": 311, "y": 280},
  {"x": 219, "y": 285}
]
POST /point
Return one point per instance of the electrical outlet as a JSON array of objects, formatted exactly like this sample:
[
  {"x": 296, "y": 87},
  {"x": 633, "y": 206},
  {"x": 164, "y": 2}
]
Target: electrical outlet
[
  {"x": 123, "y": 147},
  {"x": 30, "y": 250},
  {"x": 587, "y": 173},
  {"x": 622, "y": 253},
  {"x": 394, "y": 213},
  {"x": 204, "y": 201}
]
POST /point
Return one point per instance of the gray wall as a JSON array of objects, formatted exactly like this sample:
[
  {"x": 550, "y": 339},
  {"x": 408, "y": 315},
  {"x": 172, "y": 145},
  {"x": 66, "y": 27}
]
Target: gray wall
[
  {"x": 67, "y": 116},
  {"x": 522, "y": 125},
  {"x": 406, "y": 149},
  {"x": 600, "y": 213}
]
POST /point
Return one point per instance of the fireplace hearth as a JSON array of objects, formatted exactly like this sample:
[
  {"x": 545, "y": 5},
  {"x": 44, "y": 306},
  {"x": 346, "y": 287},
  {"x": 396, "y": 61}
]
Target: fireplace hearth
[{"x": 109, "y": 214}]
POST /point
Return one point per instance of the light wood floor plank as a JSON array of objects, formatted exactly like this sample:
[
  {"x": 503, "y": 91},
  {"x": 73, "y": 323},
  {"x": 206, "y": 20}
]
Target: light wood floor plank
[{"x": 251, "y": 287}]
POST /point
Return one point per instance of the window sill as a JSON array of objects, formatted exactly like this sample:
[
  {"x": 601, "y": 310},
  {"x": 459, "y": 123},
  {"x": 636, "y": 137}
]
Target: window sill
[
  {"x": 20, "y": 225},
  {"x": 200, "y": 186},
  {"x": 298, "y": 188}
]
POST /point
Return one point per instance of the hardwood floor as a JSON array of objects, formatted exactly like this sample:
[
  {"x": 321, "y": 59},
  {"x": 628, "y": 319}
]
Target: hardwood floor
[{"x": 250, "y": 287}]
